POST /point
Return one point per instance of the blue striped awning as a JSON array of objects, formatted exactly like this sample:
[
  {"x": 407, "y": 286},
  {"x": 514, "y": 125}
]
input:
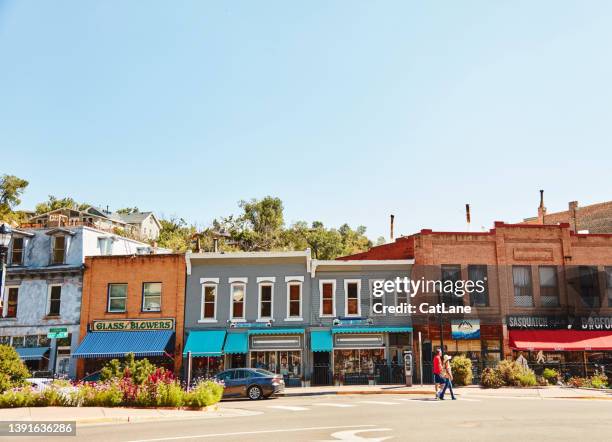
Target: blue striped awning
[
  {"x": 118, "y": 344},
  {"x": 236, "y": 343},
  {"x": 276, "y": 331},
  {"x": 371, "y": 330},
  {"x": 205, "y": 343},
  {"x": 321, "y": 340},
  {"x": 32, "y": 353}
]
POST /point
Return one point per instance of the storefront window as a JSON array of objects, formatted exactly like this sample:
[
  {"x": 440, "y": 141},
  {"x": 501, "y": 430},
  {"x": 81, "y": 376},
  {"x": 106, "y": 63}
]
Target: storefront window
[
  {"x": 358, "y": 361},
  {"x": 286, "y": 363},
  {"x": 43, "y": 341},
  {"x": 5, "y": 340},
  {"x": 31, "y": 341},
  {"x": 206, "y": 367},
  {"x": 18, "y": 341}
]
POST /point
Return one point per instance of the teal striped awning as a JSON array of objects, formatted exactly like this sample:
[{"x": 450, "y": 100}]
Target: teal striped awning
[
  {"x": 32, "y": 353},
  {"x": 321, "y": 340},
  {"x": 118, "y": 344},
  {"x": 236, "y": 343},
  {"x": 276, "y": 331},
  {"x": 371, "y": 330},
  {"x": 205, "y": 343}
]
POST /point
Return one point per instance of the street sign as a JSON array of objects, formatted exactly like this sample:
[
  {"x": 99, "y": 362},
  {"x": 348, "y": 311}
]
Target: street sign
[{"x": 57, "y": 333}]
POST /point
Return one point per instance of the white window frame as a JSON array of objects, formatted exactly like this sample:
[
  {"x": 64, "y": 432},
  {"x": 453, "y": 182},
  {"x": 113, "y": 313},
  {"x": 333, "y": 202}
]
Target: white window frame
[
  {"x": 333, "y": 283},
  {"x": 346, "y": 283},
  {"x": 396, "y": 295},
  {"x": 265, "y": 283},
  {"x": 160, "y": 296},
  {"x": 5, "y": 300},
  {"x": 108, "y": 287},
  {"x": 49, "y": 288},
  {"x": 209, "y": 282},
  {"x": 299, "y": 281},
  {"x": 372, "y": 297},
  {"x": 23, "y": 250},
  {"x": 66, "y": 245},
  {"x": 234, "y": 282}
]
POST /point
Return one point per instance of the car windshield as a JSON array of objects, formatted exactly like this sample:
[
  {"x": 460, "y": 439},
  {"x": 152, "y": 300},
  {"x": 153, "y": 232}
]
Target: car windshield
[{"x": 263, "y": 372}]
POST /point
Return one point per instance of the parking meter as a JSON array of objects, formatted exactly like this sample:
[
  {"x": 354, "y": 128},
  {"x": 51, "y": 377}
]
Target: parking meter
[{"x": 408, "y": 367}]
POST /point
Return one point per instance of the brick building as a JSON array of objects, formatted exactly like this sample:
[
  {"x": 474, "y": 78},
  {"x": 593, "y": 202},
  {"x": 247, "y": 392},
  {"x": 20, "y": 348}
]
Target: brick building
[
  {"x": 548, "y": 294},
  {"x": 132, "y": 304}
]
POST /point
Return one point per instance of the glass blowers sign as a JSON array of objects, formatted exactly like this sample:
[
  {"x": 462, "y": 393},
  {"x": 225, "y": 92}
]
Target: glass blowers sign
[{"x": 133, "y": 325}]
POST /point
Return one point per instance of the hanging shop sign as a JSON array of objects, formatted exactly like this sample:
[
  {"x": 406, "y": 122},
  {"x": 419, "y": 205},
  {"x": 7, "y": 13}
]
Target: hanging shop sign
[
  {"x": 250, "y": 324},
  {"x": 537, "y": 322},
  {"x": 593, "y": 323},
  {"x": 133, "y": 324},
  {"x": 276, "y": 342},
  {"x": 353, "y": 321},
  {"x": 465, "y": 328},
  {"x": 365, "y": 340}
]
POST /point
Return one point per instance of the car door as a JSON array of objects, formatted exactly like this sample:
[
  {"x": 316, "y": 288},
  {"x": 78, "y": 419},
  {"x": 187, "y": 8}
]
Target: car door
[
  {"x": 240, "y": 382},
  {"x": 227, "y": 378}
]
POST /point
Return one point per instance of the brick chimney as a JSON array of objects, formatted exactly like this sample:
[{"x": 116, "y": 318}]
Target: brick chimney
[
  {"x": 541, "y": 209},
  {"x": 573, "y": 208},
  {"x": 391, "y": 229}
]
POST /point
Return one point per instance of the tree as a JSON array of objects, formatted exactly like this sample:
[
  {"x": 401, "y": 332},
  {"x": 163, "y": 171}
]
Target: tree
[
  {"x": 259, "y": 227},
  {"x": 55, "y": 203},
  {"x": 13, "y": 371},
  {"x": 175, "y": 234},
  {"x": 380, "y": 241},
  {"x": 128, "y": 210},
  {"x": 327, "y": 243},
  {"x": 11, "y": 189}
]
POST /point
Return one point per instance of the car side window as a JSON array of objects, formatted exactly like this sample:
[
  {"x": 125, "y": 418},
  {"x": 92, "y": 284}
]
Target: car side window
[
  {"x": 225, "y": 376},
  {"x": 242, "y": 374}
]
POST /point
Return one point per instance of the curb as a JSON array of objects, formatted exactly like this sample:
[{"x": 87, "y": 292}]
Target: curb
[{"x": 348, "y": 392}]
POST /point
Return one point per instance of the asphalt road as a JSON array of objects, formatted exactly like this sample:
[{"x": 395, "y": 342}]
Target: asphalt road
[{"x": 379, "y": 417}]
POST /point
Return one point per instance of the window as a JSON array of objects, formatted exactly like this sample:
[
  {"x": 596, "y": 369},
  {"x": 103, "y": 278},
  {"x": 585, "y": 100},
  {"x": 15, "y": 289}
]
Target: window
[
  {"x": 117, "y": 297},
  {"x": 55, "y": 297},
  {"x": 238, "y": 298},
  {"x": 31, "y": 341},
  {"x": 12, "y": 299},
  {"x": 17, "y": 253},
  {"x": 608, "y": 271},
  {"x": 18, "y": 341},
  {"x": 523, "y": 294},
  {"x": 589, "y": 286},
  {"x": 265, "y": 300},
  {"x": 451, "y": 274},
  {"x": 294, "y": 307},
  {"x": 351, "y": 290},
  {"x": 209, "y": 302},
  {"x": 377, "y": 302},
  {"x": 549, "y": 288},
  {"x": 480, "y": 292},
  {"x": 151, "y": 296},
  {"x": 327, "y": 290},
  {"x": 401, "y": 296},
  {"x": 59, "y": 249}
]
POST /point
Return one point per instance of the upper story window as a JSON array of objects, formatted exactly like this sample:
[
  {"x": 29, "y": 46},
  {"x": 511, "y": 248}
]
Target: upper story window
[
  {"x": 549, "y": 286},
  {"x": 117, "y": 298},
  {"x": 12, "y": 297},
  {"x": 523, "y": 292},
  {"x": 17, "y": 251},
  {"x": 589, "y": 285},
  {"x": 55, "y": 299},
  {"x": 377, "y": 301},
  {"x": 451, "y": 274},
  {"x": 58, "y": 252},
  {"x": 401, "y": 296},
  {"x": 266, "y": 291},
  {"x": 151, "y": 296},
  {"x": 608, "y": 271},
  {"x": 352, "y": 290},
  {"x": 209, "y": 302},
  {"x": 294, "y": 300},
  {"x": 479, "y": 296},
  {"x": 327, "y": 289},
  {"x": 238, "y": 292}
]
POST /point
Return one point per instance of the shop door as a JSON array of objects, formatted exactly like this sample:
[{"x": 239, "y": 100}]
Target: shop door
[
  {"x": 321, "y": 372},
  {"x": 237, "y": 361},
  {"x": 427, "y": 363}
]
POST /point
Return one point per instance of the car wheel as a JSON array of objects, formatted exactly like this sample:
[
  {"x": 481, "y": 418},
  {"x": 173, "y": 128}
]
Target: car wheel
[{"x": 255, "y": 392}]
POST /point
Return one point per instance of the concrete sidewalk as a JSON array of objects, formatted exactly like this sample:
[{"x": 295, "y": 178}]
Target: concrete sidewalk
[
  {"x": 98, "y": 415},
  {"x": 428, "y": 390}
]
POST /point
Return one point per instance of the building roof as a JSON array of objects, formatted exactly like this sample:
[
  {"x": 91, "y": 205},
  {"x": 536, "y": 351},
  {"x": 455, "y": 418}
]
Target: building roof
[
  {"x": 594, "y": 218},
  {"x": 136, "y": 218}
]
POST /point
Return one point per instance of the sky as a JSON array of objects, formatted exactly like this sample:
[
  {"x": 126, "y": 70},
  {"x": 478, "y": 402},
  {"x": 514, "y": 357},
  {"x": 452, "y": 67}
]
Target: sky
[{"x": 346, "y": 110}]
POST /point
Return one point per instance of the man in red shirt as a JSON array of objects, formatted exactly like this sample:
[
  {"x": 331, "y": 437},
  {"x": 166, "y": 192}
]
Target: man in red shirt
[{"x": 437, "y": 371}]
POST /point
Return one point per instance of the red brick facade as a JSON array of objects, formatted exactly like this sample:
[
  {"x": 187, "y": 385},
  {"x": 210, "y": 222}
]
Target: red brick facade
[{"x": 134, "y": 270}]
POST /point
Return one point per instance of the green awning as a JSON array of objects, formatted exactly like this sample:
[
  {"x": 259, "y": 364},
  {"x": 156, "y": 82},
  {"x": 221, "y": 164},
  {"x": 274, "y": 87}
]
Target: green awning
[
  {"x": 32, "y": 353},
  {"x": 371, "y": 330},
  {"x": 236, "y": 343},
  {"x": 321, "y": 340},
  {"x": 205, "y": 343},
  {"x": 276, "y": 331}
]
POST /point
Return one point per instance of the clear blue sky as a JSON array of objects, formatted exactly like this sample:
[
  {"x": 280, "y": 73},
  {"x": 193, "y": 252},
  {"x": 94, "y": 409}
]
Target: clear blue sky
[{"x": 346, "y": 110}]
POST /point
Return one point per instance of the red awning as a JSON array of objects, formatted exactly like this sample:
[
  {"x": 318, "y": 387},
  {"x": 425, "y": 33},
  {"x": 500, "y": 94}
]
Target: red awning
[{"x": 560, "y": 340}]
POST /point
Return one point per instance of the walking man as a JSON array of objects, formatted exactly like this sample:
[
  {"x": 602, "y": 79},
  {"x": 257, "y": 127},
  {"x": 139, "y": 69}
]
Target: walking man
[{"x": 437, "y": 371}]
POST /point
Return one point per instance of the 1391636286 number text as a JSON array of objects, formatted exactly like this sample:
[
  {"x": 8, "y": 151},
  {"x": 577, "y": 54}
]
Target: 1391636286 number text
[{"x": 47, "y": 428}]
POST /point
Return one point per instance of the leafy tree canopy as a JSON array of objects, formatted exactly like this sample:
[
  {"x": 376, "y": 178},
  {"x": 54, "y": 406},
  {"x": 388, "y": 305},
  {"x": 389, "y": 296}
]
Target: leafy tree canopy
[
  {"x": 54, "y": 203},
  {"x": 128, "y": 210},
  {"x": 11, "y": 189}
]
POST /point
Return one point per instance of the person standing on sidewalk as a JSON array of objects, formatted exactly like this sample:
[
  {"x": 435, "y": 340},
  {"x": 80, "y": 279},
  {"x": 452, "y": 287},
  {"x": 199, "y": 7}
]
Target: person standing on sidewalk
[
  {"x": 437, "y": 371},
  {"x": 448, "y": 378}
]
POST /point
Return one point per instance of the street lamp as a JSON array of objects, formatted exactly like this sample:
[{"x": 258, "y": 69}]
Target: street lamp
[{"x": 5, "y": 239}]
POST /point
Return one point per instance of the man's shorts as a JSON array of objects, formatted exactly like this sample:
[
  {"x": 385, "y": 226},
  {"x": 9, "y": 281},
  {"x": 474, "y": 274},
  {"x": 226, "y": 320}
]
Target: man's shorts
[{"x": 438, "y": 379}]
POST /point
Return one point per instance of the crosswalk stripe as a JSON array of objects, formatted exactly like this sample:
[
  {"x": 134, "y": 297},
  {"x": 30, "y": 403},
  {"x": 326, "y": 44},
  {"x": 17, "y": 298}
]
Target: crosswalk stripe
[
  {"x": 288, "y": 407},
  {"x": 378, "y": 402},
  {"x": 326, "y": 404}
]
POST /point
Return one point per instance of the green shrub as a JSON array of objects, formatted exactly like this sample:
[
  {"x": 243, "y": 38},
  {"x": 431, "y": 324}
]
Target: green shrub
[
  {"x": 13, "y": 371},
  {"x": 100, "y": 395},
  {"x": 598, "y": 381},
  {"x": 462, "y": 370},
  {"x": 510, "y": 372},
  {"x": 19, "y": 397},
  {"x": 138, "y": 370},
  {"x": 170, "y": 395},
  {"x": 551, "y": 375},
  {"x": 527, "y": 379},
  {"x": 491, "y": 378},
  {"x": 204, "y": 394}
]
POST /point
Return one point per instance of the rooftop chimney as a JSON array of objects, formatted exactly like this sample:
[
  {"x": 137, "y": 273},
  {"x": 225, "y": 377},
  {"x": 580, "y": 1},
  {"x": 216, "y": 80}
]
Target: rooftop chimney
[
  {"x": 391, "y": 234},
  {"x": 541, "y": 209},
  {"x": 468, "y": 216}
]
